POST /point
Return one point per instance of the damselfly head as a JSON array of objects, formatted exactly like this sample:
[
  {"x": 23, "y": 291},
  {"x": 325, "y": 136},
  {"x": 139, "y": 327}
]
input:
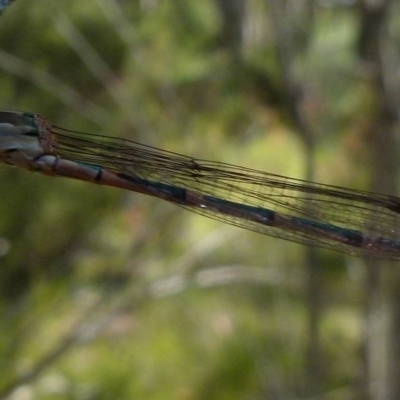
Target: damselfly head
[{"x": 20, "y": 142}]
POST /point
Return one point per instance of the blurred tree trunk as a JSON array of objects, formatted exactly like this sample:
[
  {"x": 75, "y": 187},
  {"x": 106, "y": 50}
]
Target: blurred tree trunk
[
  {"x": 382, "y": 306},
  {"x": 231, "y": 33},
  {"x": 291, "y": 41}
]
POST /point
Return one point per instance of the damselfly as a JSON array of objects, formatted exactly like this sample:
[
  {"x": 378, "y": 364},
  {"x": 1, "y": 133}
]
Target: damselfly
[{"x": 350, "y": 221}]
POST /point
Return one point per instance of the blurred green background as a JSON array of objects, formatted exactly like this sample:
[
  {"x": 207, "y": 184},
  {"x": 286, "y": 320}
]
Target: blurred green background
[{"x": 106, "y": 294}]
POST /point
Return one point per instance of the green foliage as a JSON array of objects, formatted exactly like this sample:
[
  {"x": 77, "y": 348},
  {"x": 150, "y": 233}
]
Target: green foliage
[{"x": 112, "y": 295}]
